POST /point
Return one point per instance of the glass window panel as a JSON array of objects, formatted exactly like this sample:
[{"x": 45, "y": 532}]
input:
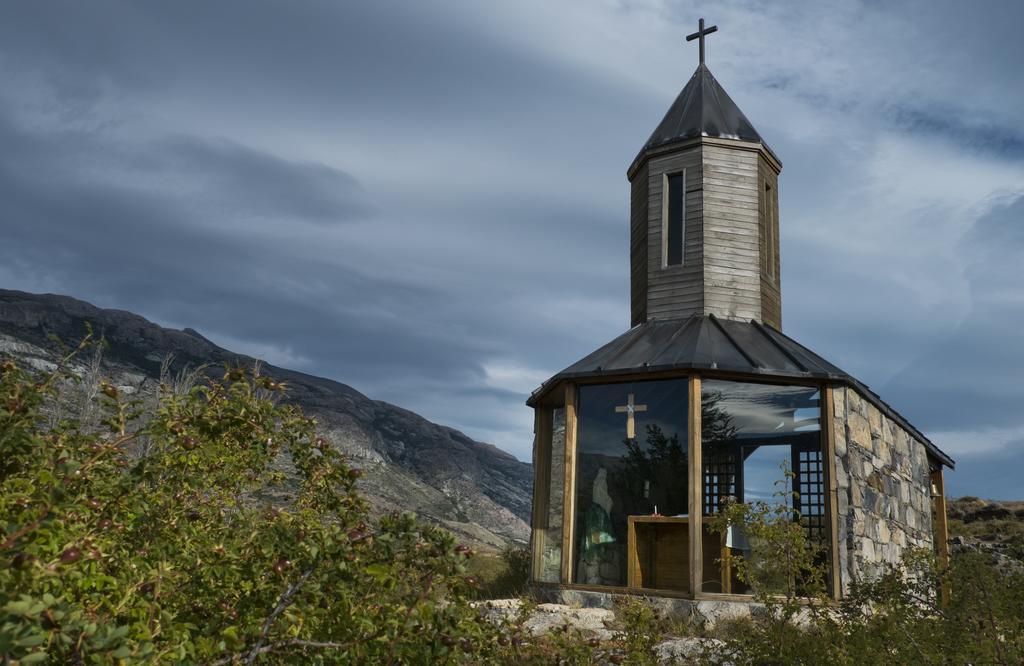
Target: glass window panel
[
  {"x": 674, "y": 230},
  {"x": 752, "y": 435},
  {"x": 631, "y": 451}
]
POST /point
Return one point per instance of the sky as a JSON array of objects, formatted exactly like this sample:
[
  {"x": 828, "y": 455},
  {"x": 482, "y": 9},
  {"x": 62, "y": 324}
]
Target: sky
[{"x": 427, "y": 200}]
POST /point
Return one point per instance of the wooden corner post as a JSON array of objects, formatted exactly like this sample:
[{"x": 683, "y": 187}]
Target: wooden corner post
[
  {"x": 569, "y": 486},
  {"x": 829, "y": 445},
  {"x": 542, "y": 422},
  {"x": 696, "y": 522},
  {"x": 940, "y": 533}
]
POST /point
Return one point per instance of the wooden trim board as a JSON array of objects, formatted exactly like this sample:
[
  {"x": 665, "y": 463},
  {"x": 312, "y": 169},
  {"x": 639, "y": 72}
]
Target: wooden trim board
[
  {"x": 543, "y": 418},
  {"x": 696, "y": 485},
  {"x": 569, "y": 486},
  {"x": 536, "y": 536},
  {"x": 828, "y": 430},
  {"x": 941, "y": 535}
]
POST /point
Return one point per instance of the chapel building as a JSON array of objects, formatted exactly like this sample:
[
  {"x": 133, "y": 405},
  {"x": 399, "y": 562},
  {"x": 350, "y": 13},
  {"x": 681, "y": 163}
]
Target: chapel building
[{"x": 705, "y": 400}]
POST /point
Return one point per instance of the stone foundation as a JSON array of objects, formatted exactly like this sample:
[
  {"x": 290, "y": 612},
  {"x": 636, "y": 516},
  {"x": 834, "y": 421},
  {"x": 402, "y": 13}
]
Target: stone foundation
[
  {"x": 702, "y": 612},
  {"x": 884, "y": 488}
]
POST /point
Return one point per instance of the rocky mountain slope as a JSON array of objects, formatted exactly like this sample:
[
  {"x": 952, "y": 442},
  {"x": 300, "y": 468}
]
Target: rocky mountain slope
[
  {"x": 988, "y": 526},
  {"x": 472, "y": 488}
]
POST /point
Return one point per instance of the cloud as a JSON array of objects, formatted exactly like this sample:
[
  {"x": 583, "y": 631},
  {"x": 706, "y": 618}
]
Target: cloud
[
  {"x": 513, "y": 376},
  {"x": 969, "y": 378},
  {"x": 428, "y": 201}
]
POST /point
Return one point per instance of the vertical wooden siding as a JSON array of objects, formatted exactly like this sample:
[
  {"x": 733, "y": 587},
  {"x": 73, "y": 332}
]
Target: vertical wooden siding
[
  {"x": 725, "y": 244},
  {"x": 675, "y": 291},
  {"x": 732, "y": 259}
]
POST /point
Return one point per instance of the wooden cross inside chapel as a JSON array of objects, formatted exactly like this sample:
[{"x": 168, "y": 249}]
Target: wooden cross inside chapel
[{"x": 630, "y": 408}]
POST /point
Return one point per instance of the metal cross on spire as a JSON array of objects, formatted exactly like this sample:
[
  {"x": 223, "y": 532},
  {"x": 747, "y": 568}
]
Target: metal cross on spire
[{"x": 700, "y": 34}]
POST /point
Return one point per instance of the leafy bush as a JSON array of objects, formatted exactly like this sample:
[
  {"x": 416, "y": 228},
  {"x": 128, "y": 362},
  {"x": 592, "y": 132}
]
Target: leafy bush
[
  {"x": 895, "y": 618},
  {"x": 509, "y": 575},
  {"x": 146, "y": 540},
  {"x": 641, "y": 631}
]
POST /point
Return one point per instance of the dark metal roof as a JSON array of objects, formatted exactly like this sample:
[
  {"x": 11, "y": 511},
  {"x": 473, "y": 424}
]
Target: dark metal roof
[
  {"x": 709, "y": 343},
  {"x": 703, "y": 108}
]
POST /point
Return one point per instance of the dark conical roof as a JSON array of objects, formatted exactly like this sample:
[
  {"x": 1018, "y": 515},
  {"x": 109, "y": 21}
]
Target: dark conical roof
[
  {"x": 705, "y": 342},
  {"x": 703, "y": 108}
]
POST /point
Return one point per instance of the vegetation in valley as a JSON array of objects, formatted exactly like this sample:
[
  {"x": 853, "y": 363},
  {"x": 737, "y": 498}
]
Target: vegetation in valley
[
  {"x": 144, "y": 534},
  {"x": 146, "y": 540}
]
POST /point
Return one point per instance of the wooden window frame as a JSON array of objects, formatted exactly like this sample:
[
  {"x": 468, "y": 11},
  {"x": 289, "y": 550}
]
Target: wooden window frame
[
  {"x": 768, "y": 216},
  {"x": 542, "y": 429},
  {"x": 696, "y": 489},
  {"x": 940, "y": 528},
  {"x": 665, "y": 221},
  {"x": 569, "y": 487},
  {"x": 835, "y": 582}
]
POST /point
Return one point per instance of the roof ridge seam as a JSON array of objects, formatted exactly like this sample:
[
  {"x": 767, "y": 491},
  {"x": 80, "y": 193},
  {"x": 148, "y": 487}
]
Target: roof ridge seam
[
  {"x": 762, "y": 330},
  {"x": 732, "y": 341}
]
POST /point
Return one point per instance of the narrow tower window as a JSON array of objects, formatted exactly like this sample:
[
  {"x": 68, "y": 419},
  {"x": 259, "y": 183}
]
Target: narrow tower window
[
  {"x": 673, "y": 220},
  {"x": 769, "y": 230}
]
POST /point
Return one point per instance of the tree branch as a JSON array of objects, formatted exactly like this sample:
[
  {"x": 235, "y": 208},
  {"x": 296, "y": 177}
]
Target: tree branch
[
  {"x": 284, "y": 602},
  {"x": 293, "y": 642}
]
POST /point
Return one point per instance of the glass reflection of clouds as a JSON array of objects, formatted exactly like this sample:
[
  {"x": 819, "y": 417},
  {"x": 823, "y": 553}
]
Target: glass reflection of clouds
[
  {"x": 752, "y": 433},
  {"x": 617, "y": 477},
  {"x": 762, "y": 469},
  {"x": 764, "y": 409}
]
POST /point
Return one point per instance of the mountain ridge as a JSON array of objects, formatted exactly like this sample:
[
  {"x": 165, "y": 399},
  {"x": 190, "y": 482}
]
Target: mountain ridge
[{"x": 473, "y": 488}]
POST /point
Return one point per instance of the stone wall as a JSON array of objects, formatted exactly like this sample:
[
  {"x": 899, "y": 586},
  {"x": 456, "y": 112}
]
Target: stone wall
[
  {"x": 551, "y": 552},
  {"x": 884, "y": 489}
]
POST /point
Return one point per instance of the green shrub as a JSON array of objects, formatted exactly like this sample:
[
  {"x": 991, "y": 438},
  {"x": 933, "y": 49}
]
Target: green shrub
[
  {"x": 641, "y": 631},
  {"x": 146, "y": 540},
  {"x": 895, "y": 617}
]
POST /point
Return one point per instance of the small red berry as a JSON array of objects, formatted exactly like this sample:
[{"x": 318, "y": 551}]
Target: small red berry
[{"x": 70, "y": 556}]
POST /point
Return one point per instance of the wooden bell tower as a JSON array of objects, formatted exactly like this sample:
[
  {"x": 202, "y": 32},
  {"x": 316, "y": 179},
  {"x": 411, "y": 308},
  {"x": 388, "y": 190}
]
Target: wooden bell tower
[{"x": 704, "y": 223}]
